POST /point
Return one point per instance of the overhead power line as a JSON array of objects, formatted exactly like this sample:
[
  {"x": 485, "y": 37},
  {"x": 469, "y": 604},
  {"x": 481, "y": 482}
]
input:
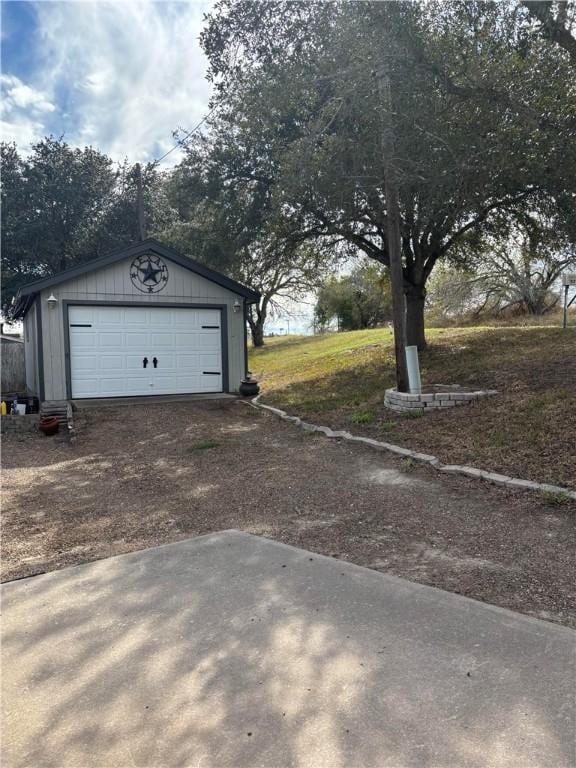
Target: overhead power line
[{"x": 186, "y": 137}]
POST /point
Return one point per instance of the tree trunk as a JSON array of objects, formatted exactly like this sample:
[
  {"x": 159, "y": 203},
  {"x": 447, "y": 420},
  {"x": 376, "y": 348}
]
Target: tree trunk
[
  {"x": 415, "y": 336},
  {"x": 257, "y": 333},
  {"x": 256, "y": 319}
]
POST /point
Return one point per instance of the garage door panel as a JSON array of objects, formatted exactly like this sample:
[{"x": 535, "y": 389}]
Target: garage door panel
[
  {"x": 136, "y": 339},
  {"x": 82, "y": 337},
  {"x": 209, "y": 361},
  {"x": 209, "y": 341},
  {"x": 209, "y": 382},
  {"x": 162, "y": 340},
  {"x": 162, "y": 317},
  {"x": 164, "y": 383},
  {"x": 106, "y": 359},
  {"x": 87, "y": 389},
  {"x": 110, "y": 339},
  {"x": 134, "y": 362},
  {"x": 109, "y": 316},
  {"x": 111, "y": 362},
  {"x": 166, "y": 361},
  {"x": 83, "y": 315},
  {"x": 136, "y": 316},
  {"x": 189, "y": 320},
  {"x": 210, "y": 318},
  {"x": 84, "y": 362},
  {"x": 113, "y": 385},
  {"x": 188, "y": 362},
  {"x": 186, "y": 340}
]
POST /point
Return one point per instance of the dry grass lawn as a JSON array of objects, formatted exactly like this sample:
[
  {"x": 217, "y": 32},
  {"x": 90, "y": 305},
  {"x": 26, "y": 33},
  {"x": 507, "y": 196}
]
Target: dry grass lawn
[{"x": 528, "y": 430}]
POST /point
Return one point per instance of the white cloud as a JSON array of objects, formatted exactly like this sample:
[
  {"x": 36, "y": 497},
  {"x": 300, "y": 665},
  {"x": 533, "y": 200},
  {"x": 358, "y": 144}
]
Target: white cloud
[
  {"x": 23, "y": 111},
  {"x": 18, "y": 95},
  {"x": 123, "y": 75},
  {"x": 21, "y": 130}
]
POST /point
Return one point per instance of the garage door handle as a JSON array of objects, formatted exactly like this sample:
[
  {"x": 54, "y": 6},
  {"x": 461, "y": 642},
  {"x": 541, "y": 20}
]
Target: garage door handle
[
  {"x": 211, "y": 373},
  {"x": 155, "y": 362},
  {"x": 144, "y": 362}
]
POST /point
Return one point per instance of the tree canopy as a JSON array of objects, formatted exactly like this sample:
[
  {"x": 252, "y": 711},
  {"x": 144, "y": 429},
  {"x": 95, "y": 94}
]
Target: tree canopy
[
  {"x": 231, "y": 226},
  {"x": 357, "y": 301},
  {"x": 483, "y": 116},
  {"x": 62, "y": 205}
]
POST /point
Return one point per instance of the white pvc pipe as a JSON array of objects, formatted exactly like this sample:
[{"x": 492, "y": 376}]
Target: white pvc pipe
[{"x": 414, "y": 383}]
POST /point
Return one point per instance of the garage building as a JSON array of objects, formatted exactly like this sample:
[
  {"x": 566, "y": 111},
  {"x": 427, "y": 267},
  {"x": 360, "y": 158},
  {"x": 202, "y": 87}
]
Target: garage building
[{"x": 144, "y": 320}]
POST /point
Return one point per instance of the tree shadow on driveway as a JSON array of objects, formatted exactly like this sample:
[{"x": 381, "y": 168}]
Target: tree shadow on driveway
[{"x": 234, "y": 651}]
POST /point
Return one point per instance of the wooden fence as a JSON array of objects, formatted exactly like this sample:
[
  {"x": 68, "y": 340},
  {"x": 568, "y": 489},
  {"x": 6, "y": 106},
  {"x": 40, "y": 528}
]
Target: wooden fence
[{"x": 13, "y": 366}]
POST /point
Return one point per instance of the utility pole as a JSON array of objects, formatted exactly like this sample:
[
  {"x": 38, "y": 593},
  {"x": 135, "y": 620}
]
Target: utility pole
[
  {"x": 140, "y": 203},
  {"x": 393, "y": 229}
]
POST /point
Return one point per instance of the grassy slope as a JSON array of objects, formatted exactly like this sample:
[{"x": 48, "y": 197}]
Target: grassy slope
[{"x": 528, "y": 430}]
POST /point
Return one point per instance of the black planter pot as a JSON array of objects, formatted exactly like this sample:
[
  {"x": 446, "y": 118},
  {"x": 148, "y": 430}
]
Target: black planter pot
[{"x": 249, "y": 388}]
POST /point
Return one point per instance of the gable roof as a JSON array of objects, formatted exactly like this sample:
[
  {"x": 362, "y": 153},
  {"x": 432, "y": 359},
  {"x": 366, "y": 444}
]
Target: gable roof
[{"x": 26, "y": 294}]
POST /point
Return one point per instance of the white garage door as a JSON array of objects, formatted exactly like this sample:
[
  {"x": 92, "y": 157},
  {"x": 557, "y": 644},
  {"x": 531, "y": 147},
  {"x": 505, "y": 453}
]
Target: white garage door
[{"x": 123, "y": 351}]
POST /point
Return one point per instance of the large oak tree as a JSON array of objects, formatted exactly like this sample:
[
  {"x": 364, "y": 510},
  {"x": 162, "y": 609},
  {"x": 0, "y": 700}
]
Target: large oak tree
[{"x": 483, "y": 114}]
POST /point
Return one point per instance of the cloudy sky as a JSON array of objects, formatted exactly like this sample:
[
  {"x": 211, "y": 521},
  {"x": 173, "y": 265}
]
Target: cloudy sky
[{"x": 120, "y": 75}]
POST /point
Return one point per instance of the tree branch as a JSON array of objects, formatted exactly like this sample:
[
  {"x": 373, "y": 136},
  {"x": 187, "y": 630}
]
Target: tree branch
[{"x": 552, "y": 28}]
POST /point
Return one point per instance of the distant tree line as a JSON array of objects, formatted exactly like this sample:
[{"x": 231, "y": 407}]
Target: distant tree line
[{"x": 355, "y": 301}]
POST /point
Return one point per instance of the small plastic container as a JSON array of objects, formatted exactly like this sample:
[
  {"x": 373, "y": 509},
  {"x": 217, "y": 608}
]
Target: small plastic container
[{"x": 21, "y": 409}]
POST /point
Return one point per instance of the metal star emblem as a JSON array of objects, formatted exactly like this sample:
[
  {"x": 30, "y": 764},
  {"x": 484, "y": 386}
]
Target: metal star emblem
[{"x": 149, "y": 273}]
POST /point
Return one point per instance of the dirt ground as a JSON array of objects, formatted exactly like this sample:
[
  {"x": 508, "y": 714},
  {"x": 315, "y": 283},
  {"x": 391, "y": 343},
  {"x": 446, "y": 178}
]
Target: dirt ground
[{"x": 141, "y": 475}]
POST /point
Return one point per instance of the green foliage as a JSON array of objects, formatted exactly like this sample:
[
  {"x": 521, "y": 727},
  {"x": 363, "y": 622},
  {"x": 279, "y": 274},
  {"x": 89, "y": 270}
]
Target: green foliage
[
  {"x": 414, "y": 413},
  {"x": 232, "y": 227},
  {"x": 63, "y": 205},
  {"x": 119, "y": 224},
  {"x": 51, "y": 205},
  {"x": 362, "y": 417},
  {"x": 483, "y": 111},
  {"x": 359, "y": 300},
  {"x": 556, "y": 499}
]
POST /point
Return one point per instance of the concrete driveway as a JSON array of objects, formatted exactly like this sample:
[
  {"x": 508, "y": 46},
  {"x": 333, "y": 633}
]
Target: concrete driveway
[{"x": 231, "y": 650}]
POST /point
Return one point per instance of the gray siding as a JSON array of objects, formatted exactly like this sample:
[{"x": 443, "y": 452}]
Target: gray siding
[
  {"x": 31, "y": 351},
  {"x": 113, "y": 284}
]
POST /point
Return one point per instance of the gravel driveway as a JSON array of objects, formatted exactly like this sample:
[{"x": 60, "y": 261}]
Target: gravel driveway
[{"x": 147, "y": 474}]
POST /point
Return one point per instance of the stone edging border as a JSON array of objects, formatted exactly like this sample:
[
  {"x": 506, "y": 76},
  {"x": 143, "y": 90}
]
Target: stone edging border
[{"x": 456, "y": 469}]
